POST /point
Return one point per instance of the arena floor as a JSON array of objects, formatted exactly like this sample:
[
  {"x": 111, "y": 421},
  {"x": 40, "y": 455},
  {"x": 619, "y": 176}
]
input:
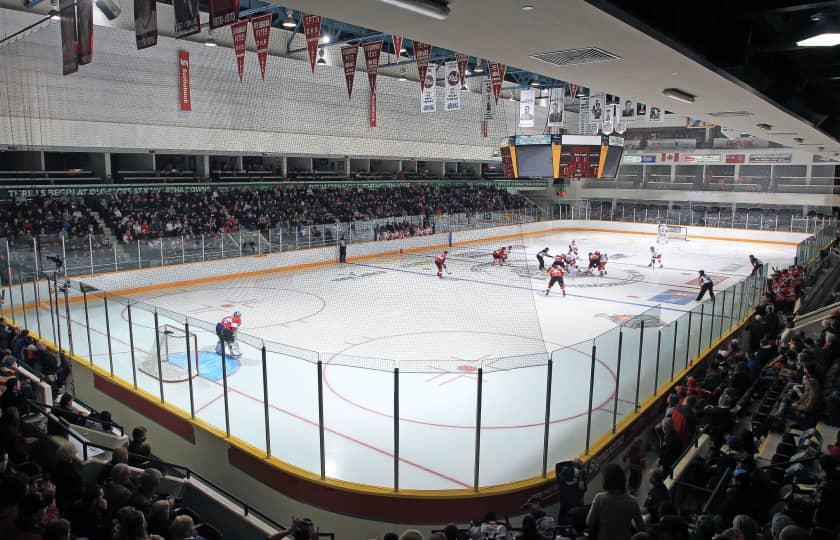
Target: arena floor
[{"x": 363, "y": 320}]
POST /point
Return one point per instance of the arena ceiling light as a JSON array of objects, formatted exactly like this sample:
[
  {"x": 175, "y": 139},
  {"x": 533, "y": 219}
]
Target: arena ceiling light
[
  {"x": 289, "y": 21},
  {"x": 828, "y": 39},
  {"x": 325, "y": 39},
  {"x": 321, "y": 60},
  {"x": 402, "y": 75},
  {"x": 211, "y": 41},
  {"x": 428, "y": 8},
  {"x": 478, "y": 68},
  {"x": 678, "y": 95}
]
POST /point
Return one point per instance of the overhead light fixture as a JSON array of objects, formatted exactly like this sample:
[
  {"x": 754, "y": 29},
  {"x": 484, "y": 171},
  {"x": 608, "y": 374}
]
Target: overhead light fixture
[
  {"x": 321, "y": 61},
  {"x": 325, "y": 39},
  {"x": 535, "y": 82},
  {"x": 54, "y": 11},
  {"x": 765, "y": 127},
  {"x": 289, "y": 21},
  {"x": 467, "y": 73},
  {"x": 402, "y": 75},
  {"x": 800, "y": 140},
  {"x": 478, "y": 68},
  {"x": 527, "y": 8},
  {"x": 678, "y": 95},
  {"x": 511, "y": 96},
  {"x": 211, "y": 41},
  {"x": 828, "y": 39},
  {"x": 428, "y": 8}
]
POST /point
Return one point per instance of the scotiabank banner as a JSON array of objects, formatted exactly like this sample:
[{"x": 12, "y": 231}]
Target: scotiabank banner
[{"x": 184, "y": 80}]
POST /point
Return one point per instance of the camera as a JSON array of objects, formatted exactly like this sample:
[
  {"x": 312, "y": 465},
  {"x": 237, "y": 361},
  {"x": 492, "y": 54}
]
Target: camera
[{"x": 59, "y": 262}]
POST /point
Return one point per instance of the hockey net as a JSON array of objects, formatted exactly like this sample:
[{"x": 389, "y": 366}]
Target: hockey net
[
  {"x": 676, "y": 232},
  {"x": 174, "y": 355}
]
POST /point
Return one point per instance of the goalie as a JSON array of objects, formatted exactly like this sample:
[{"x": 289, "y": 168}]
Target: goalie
[
  {"x": 226, "y": 331},
  {"x": 662, "y": 234}
]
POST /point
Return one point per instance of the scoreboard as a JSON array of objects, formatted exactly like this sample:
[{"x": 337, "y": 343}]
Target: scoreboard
[{"x": 562, "y": 156}]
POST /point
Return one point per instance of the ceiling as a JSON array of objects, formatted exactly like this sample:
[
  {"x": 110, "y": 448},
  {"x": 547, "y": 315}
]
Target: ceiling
[{"x": 500, "y": 30}]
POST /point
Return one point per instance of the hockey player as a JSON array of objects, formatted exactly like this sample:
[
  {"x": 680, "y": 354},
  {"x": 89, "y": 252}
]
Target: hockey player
[
  {"x": 662, "y": 234},
  {"x": 655, "y": 257},
  {"x": 226, "y": 331},
  {"x": 506, "y": 253},
  {"x": 440, "y": 262},
  {"x": 594, "y": 260},
  {"x": 556, "y": 274},
  {"x": 706, "y": 285},
  {"x": 756, "y": 265},
  {"x": 498, "y": 256},
  {"x": 573, "y": 249},
  {"x": 559, "y": 260},
  {"x": 541, "y": 257},
  {"x": 602, "y": 265}
]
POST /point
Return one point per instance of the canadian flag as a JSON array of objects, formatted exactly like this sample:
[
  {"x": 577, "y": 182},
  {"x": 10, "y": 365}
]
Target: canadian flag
[{"x": 670, "y": 157}]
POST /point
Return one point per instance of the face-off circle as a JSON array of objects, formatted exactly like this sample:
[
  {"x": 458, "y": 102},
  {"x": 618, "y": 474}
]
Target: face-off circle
[{"x": 438, "y": 379}]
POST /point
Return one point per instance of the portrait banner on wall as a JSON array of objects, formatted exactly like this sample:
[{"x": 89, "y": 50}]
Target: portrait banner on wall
[
  {"x": 628, "y": 110},
  {"x": 69, "y": 40},
  {"x": 84, "y": 13},
  {"x": 187, "y": 21},
  {"x": 223, "y": 12},
  {"x": 145, "y": 23},
  {"x": 526, "y": 108},
  {"x": 556, "y": 104}
]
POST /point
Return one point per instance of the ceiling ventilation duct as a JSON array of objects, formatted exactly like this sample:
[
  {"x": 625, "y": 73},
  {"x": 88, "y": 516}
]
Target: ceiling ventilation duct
[{"x": 574, "y": 57}]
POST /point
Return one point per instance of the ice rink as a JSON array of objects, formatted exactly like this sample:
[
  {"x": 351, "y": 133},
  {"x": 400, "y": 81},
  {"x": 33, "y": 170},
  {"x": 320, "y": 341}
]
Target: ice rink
[{"x": 363, "y": 320}]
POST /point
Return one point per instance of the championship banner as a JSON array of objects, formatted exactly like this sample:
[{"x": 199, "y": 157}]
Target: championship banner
[
  {"x": 84, "y": 12},
  {"x": 422, "y": 53},
  {"x": 184, "y": 80},
  {"x": 607, "y": 123},
  {"x": 312, "y": 31},
  {"x": 462, "y": 60},
  {"x": 526, "y": 108},
  {"x": 428, "y": 96},
  {"x": 349, "y": 53},
  {"x": 223, "y": 12},
  {"x": 145, "y": 23},
  {"x": 239, "y": 31},
  {"x": 372, "y": 51},
  {"x": 261, "y": 26},
  {"x": 486, "y": 99},
  {"x": 453, "y": 87},
  {"x": 398, "y": 43},
  {"x": 69, "y": 44},
  {"x": 497, "y": 77},
  {"x": 187, "y": 22},
  {"x": 556, "y": 107}
]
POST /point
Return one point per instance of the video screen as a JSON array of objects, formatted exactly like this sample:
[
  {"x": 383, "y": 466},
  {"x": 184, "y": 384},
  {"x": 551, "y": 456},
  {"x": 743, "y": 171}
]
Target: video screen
[
  {"x": 534, "y": 161},
  {"x": 612, "y": 162}
]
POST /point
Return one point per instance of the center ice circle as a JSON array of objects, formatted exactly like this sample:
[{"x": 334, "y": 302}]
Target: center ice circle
[{"x": 438, "y": 379}]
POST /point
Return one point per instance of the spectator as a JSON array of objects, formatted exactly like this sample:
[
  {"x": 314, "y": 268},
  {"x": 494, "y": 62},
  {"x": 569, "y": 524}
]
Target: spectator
[
  {"x": 146, "y": 492},
  {"x": 657, "y": 495},
  {"x": 118, "y": 488},
  {"x": 89, "y": 514},
  {"x": 450, "y": 532},
  {"x": 670, "y": 446},
  {"x": 131, "y": 525},
  {"x": 183, "y": 528},
  {"x": 543, "y": 522},
  {"x": 746, "y": 526},
  {"x": 67, "y": 476},
  {"x": 139, "y": 447},
  {"x": 159, "y": 518},
  {"x": 488, "y": 528},
  {"x": 614, "y": 513},
  {"x": 529, "y": 529},
  {"x": 670, "y": 526},
  {"x": 413, "y": 534},
  {"x": 57, "y": 530}
]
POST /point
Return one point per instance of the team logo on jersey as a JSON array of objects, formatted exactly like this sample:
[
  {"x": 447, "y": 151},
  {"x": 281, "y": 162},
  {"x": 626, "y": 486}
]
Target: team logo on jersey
[{"x": 633, "y": 321}]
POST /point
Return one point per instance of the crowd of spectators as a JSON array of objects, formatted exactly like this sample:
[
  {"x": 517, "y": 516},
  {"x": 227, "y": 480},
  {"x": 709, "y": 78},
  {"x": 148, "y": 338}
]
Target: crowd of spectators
[
  {"x": 394, "y": 231},
  {"x": 45, "y": 215}
]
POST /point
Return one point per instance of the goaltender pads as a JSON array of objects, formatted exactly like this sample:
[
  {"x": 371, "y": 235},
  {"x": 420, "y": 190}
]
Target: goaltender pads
[{"x": 178, "y": 355}]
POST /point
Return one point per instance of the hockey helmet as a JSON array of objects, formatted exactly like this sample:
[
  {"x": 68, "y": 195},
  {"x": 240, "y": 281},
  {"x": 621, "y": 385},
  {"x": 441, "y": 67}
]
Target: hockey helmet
[{"x": 237, "y": 314}]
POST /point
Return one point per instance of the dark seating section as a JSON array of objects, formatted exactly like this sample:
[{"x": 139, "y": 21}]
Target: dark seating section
[{"x": 47, "y": 215}]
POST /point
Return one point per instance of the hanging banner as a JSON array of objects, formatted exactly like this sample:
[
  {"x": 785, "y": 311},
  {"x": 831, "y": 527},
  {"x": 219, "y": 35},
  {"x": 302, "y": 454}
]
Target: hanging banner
[
  {"x": 349, "y": 53},
  {"x": 312, "y": 31},
  {"x": 486, "y": 99},
  {"x": 372, "y": 51},
  {"x": 556, "y": 107},
  {"x": 187, "y": 22},
  {"x": 69, "y": 43},
  {"x": 84, "y": 12},
  {"x": 184, "y": 80},
  {"x": 597, "y": 102},
  {"x": 526, "y": 108},
  {"x": 497, "y": 77},
  {"x": 261, "y": 26},
  {"x": 655, "y": 114},
  {"x": 223, "y": 12},
  {"x": 422, "y": 53},
  {"x": 398, "y": 43},
  {"x": 239, "y": 31},
  {"x": 428, "y": 96},
  {"x": 573, "y": 88},
  {"x": 507, "y": 162},
  {"x": 462, "y": 60},
  {"x": 453, "y": 87},
  {"x": 607, "y": 122},
  {"x": 628, "y": 110},
  {"x": 145, "y": 23}
]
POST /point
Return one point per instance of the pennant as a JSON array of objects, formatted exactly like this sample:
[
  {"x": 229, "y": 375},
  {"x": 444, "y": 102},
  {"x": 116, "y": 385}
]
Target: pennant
[
  {"x": 453, "y": 87},
  {"x": 349, "y": 53},
  {"x": 187, "y": 21},
  {"x": 428, "y": 95},
  {"x": 69, "y": 42},
  {"x": 462, "y": 60},
  {"x": 372, "y": 51},
  {"x": 398, "y": 43},
  {"x": 261, "y": 26},
  {"x": 485, "y": 129},
  {"x": 507, "y": 161},
  {"x": 223, "y": 13},
  {"x": 145, "y": 23},
  {"x": 239, "y": 31},
  {"x": 312, "y": 31},
  {"x": 84, "y": 12},
  {"x": 497, "y": 77},
  {"x": 184, "y": 80},
  {"x": 556, "y": 107},
  {"x": 526, "y": 108},
  {"x": 422, "y": 54}
]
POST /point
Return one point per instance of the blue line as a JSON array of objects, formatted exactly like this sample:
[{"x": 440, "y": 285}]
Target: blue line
[
  {"x": 532, "y": 290},
  {"x": 681, "y": 269}
]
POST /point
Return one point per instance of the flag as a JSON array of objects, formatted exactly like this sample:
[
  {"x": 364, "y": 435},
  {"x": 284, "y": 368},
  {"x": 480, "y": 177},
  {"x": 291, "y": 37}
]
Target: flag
[
  {"x": 462, "y": 60},
  {"x": 145, "y": 23},
  {"x": 184, "y": 80},
  {"x": 526, "y": 108},
  {"x": 187, "y": 22},
  {"x": 428, "y": 96},
  {"x": 453, "y": 86},
  {"x": 312, "y": 31},
  {"x": 372, "y": 51},
  {"x": 398, "y": 42},
  {"x": 84, "y": 12},
  {"x": 261, "y": 26},
  {"x": 422, "y": 54},
  {"x": 239, "y": 31},
  {"x": 497, "y": 77},
  {"x": 349, "y": 53},
  {"x": 69, "y": 42},
  {"x": 223, "y": 12}
]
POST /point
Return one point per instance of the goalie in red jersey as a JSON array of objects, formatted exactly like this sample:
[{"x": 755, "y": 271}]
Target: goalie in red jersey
[{"x": 440, "y": 262}]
